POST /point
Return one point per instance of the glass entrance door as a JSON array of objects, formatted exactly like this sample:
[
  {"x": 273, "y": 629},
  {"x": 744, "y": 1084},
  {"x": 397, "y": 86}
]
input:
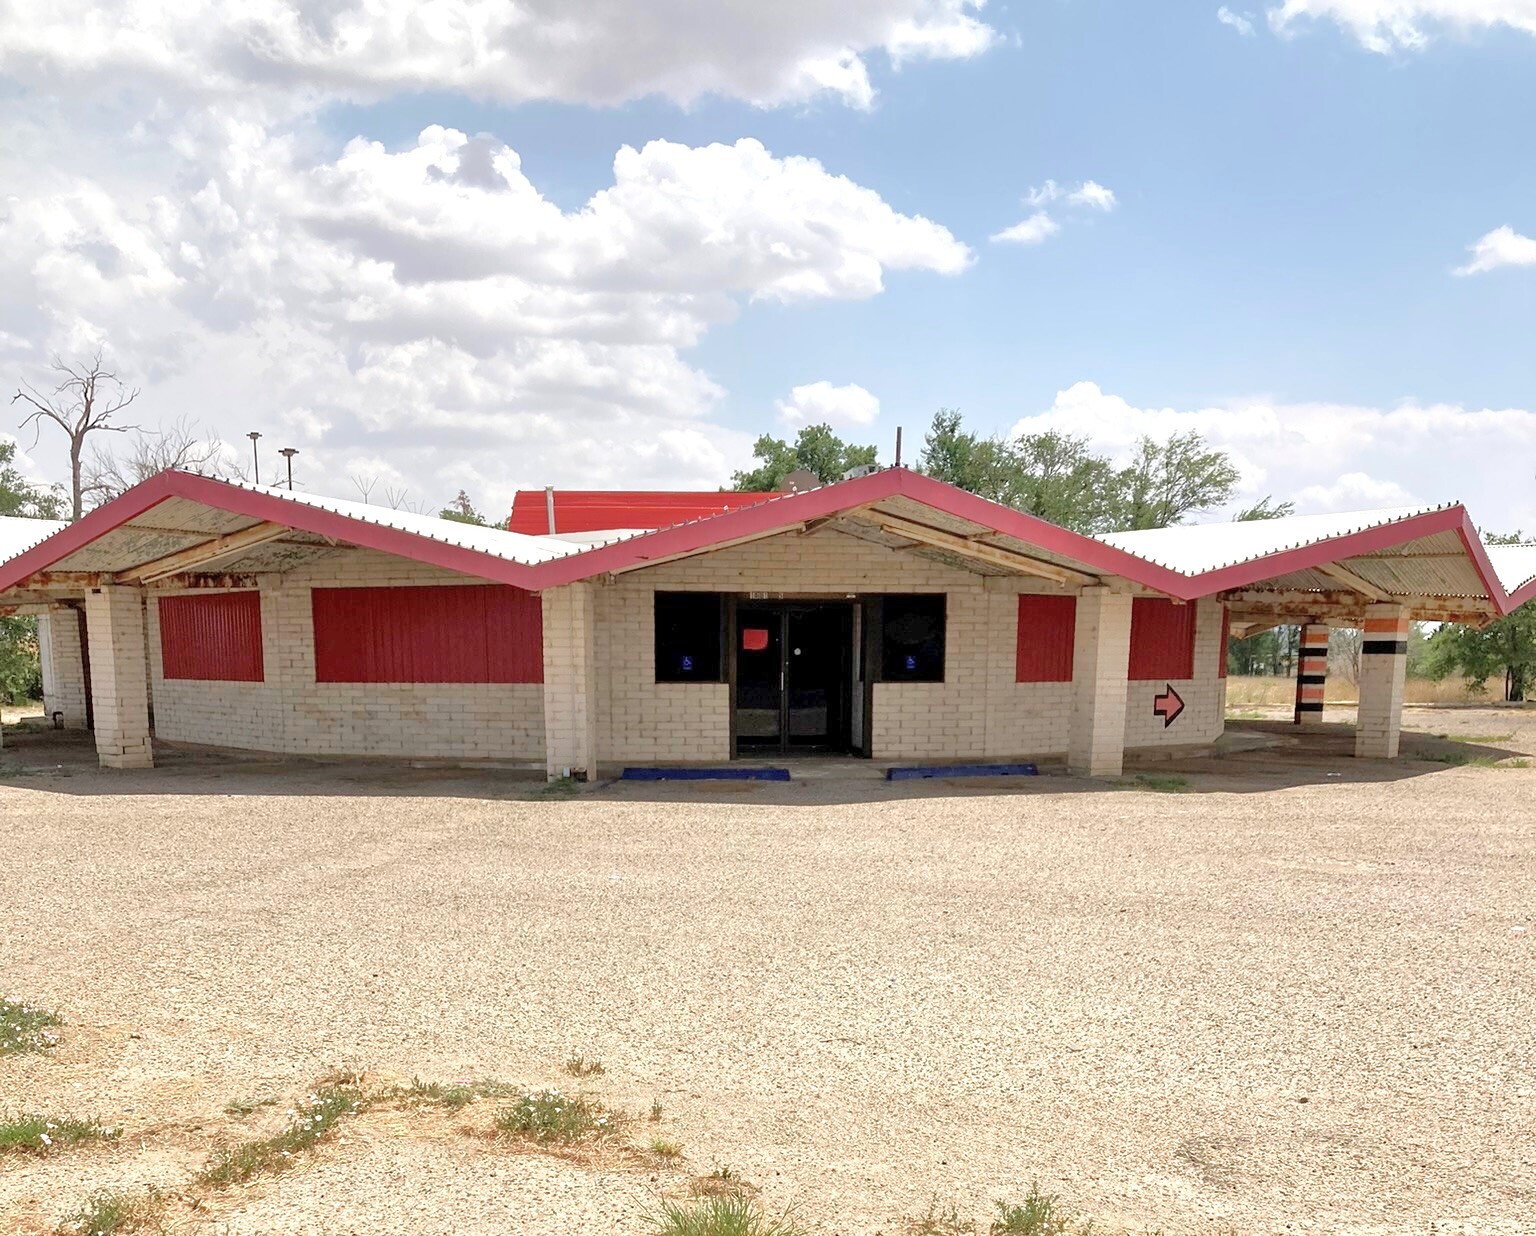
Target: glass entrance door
[{"x": 794, "y": 677}]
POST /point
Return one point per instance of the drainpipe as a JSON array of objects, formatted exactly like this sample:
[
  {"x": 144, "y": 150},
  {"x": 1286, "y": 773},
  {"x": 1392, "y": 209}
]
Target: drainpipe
[{"x": 549, "y": 507}]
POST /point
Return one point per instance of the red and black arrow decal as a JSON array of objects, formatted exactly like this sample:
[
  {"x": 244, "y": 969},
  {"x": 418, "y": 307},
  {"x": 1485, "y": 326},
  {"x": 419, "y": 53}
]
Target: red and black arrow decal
[{"x": 1168, "y": 706}]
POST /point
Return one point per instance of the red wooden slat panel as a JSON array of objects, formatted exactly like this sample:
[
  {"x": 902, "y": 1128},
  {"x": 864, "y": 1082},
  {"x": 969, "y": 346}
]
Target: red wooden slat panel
[
  {"x": 1162, "y": 640},
  {"x": 216, "y": 636},
  {"x": 1047, "y": 627},
  {"x": 473, "y": 633}
]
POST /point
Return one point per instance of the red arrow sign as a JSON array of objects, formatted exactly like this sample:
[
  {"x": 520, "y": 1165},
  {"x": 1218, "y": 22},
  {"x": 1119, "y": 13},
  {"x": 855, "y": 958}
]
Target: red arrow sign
[{"x": 1168, "y": 706}]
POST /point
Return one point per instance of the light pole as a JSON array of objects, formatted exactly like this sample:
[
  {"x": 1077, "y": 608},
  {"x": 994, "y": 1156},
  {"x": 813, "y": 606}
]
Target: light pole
[
  {"x": 255, "y": 458},
  {"x": 288, "y": 452}
]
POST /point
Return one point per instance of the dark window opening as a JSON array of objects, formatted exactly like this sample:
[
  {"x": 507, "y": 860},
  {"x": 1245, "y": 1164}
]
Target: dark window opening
[
  {"x": 912, "y": 638},
  {"x": 690, "y": 632}
]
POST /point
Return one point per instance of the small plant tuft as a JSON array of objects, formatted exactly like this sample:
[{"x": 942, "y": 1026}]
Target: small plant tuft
[
  {"x": 561, "y": 787},
  {"x": 655, "y": 1111},
  {"x": 116, "y": 1214},
  {"x": 313, "y": 1119},
  {"x": 32, "y": 1134},
  {"x": 580, "y": 1066},
  {"x": 1154, "y": 783},
  {"x": 552, "y": 1117},
  {"x": 722, "y": 1182},
  {"x": 721, "y": 1215},
  {"x": 241, "y": 1108},
  {"x": 663, "y": 1149},
  {"x": 942, "y": 1219},
  {"x": 453, "y": 1096},
  {"x": 24, "y": 1028},
  {"x": 1039, "y": 1214}
]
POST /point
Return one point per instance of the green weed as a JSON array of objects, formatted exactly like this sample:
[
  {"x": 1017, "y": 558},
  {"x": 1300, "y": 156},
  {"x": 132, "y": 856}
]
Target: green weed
[
  {"x": 580, "y": 1066},
  {"x": 1039, "y": 1214},
  {"x": 33, "y": 1134},
  {"x": 116, "y": 1214},
  {"x": 941, "y": 1220},
  {"x": 313, "y": 1120},
  {"x": 24, "y": 1028},
  {"x": 548, "y": 1116},
  {"x": 1153, "y": 783},
  {"x": 453, "y": 1096},
  {"x": 731, "y": 1214}
]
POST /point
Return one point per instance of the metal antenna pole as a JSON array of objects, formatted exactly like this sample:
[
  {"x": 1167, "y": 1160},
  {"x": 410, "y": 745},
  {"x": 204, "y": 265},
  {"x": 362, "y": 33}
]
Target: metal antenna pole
[
  {"x": 255, "y": 458},
  {"x": 288, "y": 452}
]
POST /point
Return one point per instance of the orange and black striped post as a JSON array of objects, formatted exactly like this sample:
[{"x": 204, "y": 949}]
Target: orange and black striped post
[{"x": 1311, "y": 673}]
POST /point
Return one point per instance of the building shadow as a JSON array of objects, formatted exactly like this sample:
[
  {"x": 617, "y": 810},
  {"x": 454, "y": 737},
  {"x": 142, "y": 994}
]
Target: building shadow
[{"x": 1255, "y": 757}]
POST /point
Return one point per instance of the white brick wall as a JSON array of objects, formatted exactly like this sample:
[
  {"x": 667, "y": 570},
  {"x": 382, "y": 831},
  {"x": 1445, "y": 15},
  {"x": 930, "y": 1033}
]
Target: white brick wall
[
  {"x": 291, "y": 712},
  {"x": 119, "y": 677},
  {"x": 58, "y": 640}
]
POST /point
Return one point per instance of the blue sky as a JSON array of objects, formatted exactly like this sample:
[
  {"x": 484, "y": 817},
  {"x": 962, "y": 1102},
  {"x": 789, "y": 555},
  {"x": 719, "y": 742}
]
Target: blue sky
[{"x": 1291, "y": 207}]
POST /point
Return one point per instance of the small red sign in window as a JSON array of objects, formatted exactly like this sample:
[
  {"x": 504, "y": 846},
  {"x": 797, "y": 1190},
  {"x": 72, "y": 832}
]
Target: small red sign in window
[{"x": 754, "y": 639}]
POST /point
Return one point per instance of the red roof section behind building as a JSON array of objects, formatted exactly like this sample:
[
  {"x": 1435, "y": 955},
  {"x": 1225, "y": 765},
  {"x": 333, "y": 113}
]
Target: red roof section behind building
[{"x": 594, "y": 510}]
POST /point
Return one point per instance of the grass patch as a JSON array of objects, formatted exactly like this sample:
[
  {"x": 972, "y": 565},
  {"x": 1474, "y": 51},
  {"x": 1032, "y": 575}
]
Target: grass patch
[
  {"x": 1039, "y": 1214},
  {"x": 941, "y": 1220},
  {"x": 453, "y": 1096},
  {"x": 722, "y": 1182},
  {"x": 561, "y": 787},
  {"x": 663, "y": 1149},
  {"x": 1154, "y": 783},
  {"x": 1477, "y": 738},
  {"x": 724, "y": 1215},
  {"x": 1459, "y": 759},
  {"x": 116, "y": 1214},
  {"x": 550, "y": 1117},
  {"x": 314, "y": 1119},
  {"x": 24, "y": 1028},
  {"x": 31, "y": 1134},
  {"x": 1246, "y": 715},
  {"x": 580, "y": 1066}
]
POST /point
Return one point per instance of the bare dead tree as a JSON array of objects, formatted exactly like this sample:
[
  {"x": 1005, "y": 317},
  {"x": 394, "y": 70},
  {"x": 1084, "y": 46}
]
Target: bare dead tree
[
  {"x": 106, "y": 475},
  {"x": 365, "y": 486},
  {"x": 85, "y": 400}
]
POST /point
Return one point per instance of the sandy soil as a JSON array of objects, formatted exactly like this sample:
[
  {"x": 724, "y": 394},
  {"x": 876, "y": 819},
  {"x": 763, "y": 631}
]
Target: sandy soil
[{"x": 1296, "y": 996}]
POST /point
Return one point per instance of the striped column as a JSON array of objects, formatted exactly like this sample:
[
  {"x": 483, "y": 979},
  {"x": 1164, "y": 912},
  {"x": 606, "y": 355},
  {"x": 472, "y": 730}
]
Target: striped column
[
  {"x": 1383, "y": 668},
  {"x": 1311, "y": 673}
]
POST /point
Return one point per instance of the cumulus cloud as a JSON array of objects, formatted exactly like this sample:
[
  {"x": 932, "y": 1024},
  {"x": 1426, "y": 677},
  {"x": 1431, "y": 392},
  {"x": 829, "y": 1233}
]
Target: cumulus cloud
[
  {"x": 1238, "y": 21},
  {"x": 1393, "y": 25},
  {"x": 821, "y": 402},
  {"x": 405, "y": 310},
  {"x": 1331, "y": 457},
  {"x": 1031, "y": 231},
  {"x": 599, "y": 52},
  {"x": 1040, "y": 224},
  {"x": 1501, "y": 247}
]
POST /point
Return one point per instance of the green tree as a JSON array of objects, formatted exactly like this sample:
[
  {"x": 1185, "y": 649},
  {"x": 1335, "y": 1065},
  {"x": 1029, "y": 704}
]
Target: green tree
[
  {"x": 1505, "y": 648},
  {"x": 816, "y": 449},
  {"x": 19, "y": 496},
  {"x": 1265, "y": 508},
  {"x": 1169, "y": 480},
  {"x": 1058, "y": 476}
]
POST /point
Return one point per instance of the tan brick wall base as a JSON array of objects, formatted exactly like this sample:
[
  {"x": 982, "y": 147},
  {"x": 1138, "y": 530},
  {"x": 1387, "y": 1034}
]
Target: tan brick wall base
[{"x": 58, "y": 640}]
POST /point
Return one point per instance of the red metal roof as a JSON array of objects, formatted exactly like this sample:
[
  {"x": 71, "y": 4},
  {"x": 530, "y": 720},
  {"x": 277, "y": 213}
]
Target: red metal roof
[{"x": 596, "y": 510}]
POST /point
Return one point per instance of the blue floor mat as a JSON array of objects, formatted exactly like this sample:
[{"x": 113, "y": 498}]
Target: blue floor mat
[
  {"x": 705, "y": 774},
  {"x": 926, "y": 773}
]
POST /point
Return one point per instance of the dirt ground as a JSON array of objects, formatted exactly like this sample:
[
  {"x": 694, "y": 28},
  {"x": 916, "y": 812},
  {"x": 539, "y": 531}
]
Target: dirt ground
[{"x": 1277, "y": 991}]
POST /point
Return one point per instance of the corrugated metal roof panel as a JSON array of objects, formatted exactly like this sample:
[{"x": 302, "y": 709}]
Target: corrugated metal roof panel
[
  {"x": 1515, "y": 565},
  {"x": 1192, "y": 549}
]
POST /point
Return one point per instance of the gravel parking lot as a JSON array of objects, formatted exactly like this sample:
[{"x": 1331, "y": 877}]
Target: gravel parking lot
[{"x": 1296, "y": 993}]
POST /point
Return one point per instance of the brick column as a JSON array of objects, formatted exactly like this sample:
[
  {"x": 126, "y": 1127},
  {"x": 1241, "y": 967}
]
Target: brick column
[
  {"x": 114, "y": 618},
  {"x": 1311, "y": 673},
  {"x": 1101, "y": 656},
  {"x": 58, "y": 645},
  {"x": 570, "y": 705},
  {"x": 1383, "y": 667}
]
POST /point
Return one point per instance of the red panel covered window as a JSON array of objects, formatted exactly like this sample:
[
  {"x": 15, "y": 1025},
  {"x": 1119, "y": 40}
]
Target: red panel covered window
[
  {"x": 213, "y": 636},
  {"x": 1047, "y": 627},
  {"x": 1162, "y": 640},
  {"x": 468, "y": 633}
]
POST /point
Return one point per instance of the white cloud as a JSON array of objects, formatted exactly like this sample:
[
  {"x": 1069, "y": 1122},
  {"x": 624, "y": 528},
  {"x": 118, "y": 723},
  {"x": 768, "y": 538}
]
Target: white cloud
[
  {"x": 821, "y": 402},
  {"x": 1031, "y": 231},
  {"x": 1238, "y": 21},
  {"x": 1041, "y": 225},
  {"x": 1091, "y": 193},
  {"x": 1332, "y": 456},
  {"x": 1392, "y": 25},
  {"x": 425, "y": 306},
  {"x": 597, "y": 52},
  {"x": 1501, "y": 247}
]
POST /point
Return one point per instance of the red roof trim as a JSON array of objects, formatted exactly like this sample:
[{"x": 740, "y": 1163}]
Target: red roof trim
[
  {"x": 597, "y": 510},
  {"x": 761, "y": 518}
]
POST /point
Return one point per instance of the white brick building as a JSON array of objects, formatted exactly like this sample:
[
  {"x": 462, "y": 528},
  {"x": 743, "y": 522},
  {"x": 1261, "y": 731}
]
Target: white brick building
[{"x": 890, "y": 617}]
